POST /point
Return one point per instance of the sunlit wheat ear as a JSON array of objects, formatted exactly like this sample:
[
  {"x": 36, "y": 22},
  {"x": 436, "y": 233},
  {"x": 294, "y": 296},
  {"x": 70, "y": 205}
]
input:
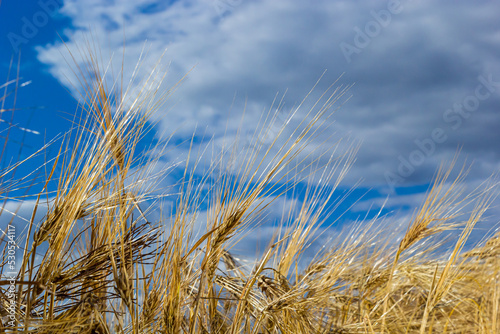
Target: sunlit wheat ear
[
  {"x": 231, "y": 263},
  {"x": 269, "y": 287},
  {"x": 277, "y": 295},
  {"x": 491, "y": 249}
]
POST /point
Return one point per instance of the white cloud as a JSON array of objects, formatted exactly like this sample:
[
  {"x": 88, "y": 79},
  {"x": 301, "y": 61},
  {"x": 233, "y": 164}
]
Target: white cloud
[{"x": 413, "y": 70}]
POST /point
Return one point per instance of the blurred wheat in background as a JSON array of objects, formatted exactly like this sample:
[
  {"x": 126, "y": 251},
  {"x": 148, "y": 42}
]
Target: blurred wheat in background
[{"x": 96, "y": 264}]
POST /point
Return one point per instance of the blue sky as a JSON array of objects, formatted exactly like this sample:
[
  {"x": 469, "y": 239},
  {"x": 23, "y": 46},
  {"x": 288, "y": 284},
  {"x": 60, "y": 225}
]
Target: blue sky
[{"x": 426, "y": 76}]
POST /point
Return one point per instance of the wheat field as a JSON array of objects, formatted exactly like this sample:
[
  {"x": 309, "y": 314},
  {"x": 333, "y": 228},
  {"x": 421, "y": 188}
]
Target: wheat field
[{"x": 96, "y": 264}]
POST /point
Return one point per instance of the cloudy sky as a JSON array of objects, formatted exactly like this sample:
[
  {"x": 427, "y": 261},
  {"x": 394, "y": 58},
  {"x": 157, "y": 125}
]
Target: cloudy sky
[{"x": 425, "y": 75}]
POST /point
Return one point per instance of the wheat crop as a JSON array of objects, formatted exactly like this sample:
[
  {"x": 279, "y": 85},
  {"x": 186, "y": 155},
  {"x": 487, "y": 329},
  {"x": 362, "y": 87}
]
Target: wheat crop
[{"x": 95, "y": 264}]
